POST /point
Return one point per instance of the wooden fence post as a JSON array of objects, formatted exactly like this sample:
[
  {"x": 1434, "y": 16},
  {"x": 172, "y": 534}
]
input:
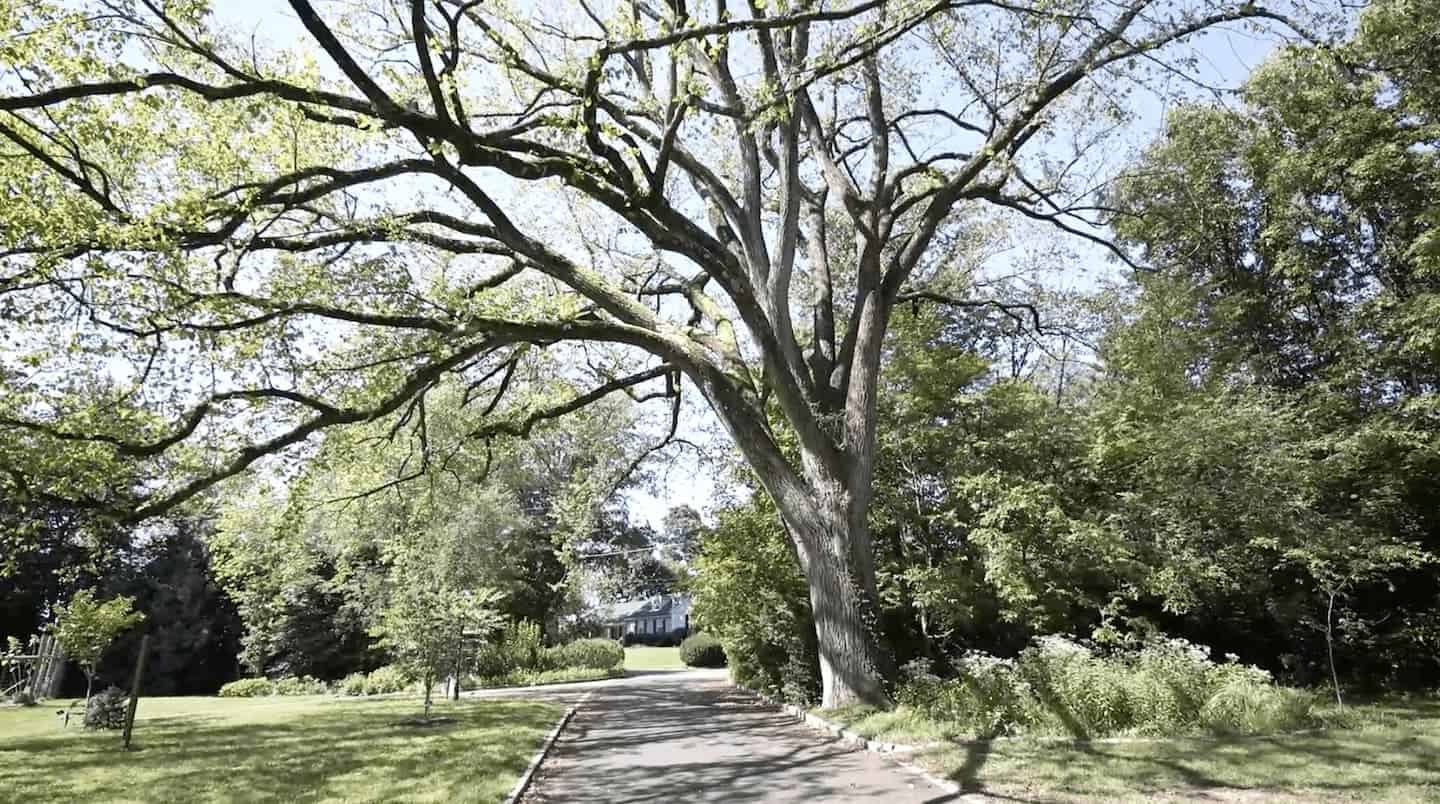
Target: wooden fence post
[{"x": 135, "y": 688}]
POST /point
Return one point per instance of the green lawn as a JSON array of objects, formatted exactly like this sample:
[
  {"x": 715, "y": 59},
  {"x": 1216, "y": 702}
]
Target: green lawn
[
  {"x": 275, "y": 749},
  {"x": 1391, "y": 755},
  {"x": 644, "y": 657}
]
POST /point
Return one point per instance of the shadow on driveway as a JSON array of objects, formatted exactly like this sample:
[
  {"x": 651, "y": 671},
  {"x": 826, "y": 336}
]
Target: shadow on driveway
[{"x": 693, "y": 737}]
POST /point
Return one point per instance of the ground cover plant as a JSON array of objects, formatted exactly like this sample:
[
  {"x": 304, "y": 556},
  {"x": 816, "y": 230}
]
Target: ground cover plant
[
  {"x": 535, "y": 678},
  {"x": 1241, "y": 743},
  {"x": 1057, "y": 687},
  {"x": 259, "y": 687},
  {"x": 276, "y": 749}
]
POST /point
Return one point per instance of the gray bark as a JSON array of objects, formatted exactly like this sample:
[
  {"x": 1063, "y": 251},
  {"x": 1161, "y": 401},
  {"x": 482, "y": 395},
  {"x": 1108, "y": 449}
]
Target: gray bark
[{"x": 854, "y": 666}]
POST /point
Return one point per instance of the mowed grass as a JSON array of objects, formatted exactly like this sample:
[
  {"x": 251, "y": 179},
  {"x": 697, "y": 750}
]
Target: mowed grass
[
  {"x": 644, "y": 657},
  {"x": 275, "y": 749},
  {"x": 1391, "y": 754}
]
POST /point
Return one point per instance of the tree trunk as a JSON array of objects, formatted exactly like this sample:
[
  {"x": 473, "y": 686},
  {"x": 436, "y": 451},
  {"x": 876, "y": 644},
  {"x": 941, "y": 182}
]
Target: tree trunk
[
  {"x": 1330, "y": 647},
  {"x": 825, "y": 512},
  {"x": 833, "y": 547}
]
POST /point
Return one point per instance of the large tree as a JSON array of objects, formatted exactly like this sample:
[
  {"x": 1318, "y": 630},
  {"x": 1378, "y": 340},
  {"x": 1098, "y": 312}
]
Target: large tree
[{"x": 216, "y": 249}]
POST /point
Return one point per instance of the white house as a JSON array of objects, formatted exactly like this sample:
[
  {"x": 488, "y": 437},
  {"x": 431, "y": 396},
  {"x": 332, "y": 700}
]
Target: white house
[{"x": 657, "y": 615}]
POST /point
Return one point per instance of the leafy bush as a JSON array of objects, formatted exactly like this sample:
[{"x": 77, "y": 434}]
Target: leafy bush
[
  {"x": 702, "y": 650},
  {"x": 353, "y": 684},
  {"x": 492, "y": 659},
  {"x": 988, "y": 697},
  {"x": 596, "y": 654},
  {"x": 524, "y": 643},
  {"x": 1167, "y": 687},
  {"x": 248, "y": 688},
  {"x": 1087, "y": 694},
  {"x": 107, "y": 709},
  {"x": 301, "y": 685},
  {"x": 521, "y": 647},
  {"x": 749, "y": 594},
  {"x": 388, "y": 679},
  {"x": 528, "y": 678},
  {"x": 1248, "y": 708},
  {"x": 668, "y": 639}
]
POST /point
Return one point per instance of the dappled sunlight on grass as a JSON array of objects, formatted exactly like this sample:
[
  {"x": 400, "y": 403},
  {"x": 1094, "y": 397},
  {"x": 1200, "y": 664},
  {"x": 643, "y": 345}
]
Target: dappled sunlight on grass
[
  {"x": 1389, "y": 755},
  {"x": 276, "y": 749}
]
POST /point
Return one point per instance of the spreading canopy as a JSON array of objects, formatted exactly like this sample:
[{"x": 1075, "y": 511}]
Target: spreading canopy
[
  {"x": 213, "y": 248},
  {"x": 219, "y": 248}
]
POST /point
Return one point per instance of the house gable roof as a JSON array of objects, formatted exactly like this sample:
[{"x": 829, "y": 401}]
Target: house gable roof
[{"x": 657, "y": 606}]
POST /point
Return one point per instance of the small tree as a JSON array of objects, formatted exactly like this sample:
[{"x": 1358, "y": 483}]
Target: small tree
[
  {"x": 1338, "y": 562},
  {"x": 423, "y": 626},
  {"x": 85, "y": 627}
]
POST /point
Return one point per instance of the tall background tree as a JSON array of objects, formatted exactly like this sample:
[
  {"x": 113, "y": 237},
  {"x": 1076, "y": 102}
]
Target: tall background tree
[
  {"x": 1243, "y": 449},
  {"x": 739, "y": 196}
]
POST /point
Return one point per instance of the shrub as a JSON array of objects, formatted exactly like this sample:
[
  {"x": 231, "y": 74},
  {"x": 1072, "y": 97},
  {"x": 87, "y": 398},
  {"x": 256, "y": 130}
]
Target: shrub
[
  {"x": 668, "y": 639},
  {"x": 1241, "y": 707},
  {"x": 388, "y": 679},
  {"x": 1086, "y": 694},
  {"x": 248, "y": 688},
  {"x": 107, "y": 709},
  {"x": 353, "y": 684},
  {"x": 1167, "y": 687},
  {"x": 301, "y": 685},
  {"x": 749, "y": 593},
  {"x": 527, "y": 678},
  {"x": 597, "y": 654},
  {"x": 702, "y": 650},
  {"x": 491, "y": 659},
  {"x": 988, "y": 697},
  {"x": 525, "y": 645}
]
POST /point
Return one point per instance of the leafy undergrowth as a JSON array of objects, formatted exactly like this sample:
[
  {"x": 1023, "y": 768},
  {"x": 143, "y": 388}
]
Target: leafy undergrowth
[
  {"x": 276, "y": 749},
  {"x": 1057, "y": 687},
  {"x": 531, "y": 678},
  {"x": 1385, "y": 752}
]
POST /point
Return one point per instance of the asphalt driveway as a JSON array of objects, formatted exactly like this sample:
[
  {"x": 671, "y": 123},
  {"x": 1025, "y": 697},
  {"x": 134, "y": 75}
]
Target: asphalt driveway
[{"x": 693, "y": 737}]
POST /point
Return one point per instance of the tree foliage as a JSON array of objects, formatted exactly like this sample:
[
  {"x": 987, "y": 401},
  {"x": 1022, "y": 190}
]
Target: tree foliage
[
  {"x": 737, "y": 196},
  {"x": 1250, "y": 463},
  {"x": 85, "y": 627}
]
